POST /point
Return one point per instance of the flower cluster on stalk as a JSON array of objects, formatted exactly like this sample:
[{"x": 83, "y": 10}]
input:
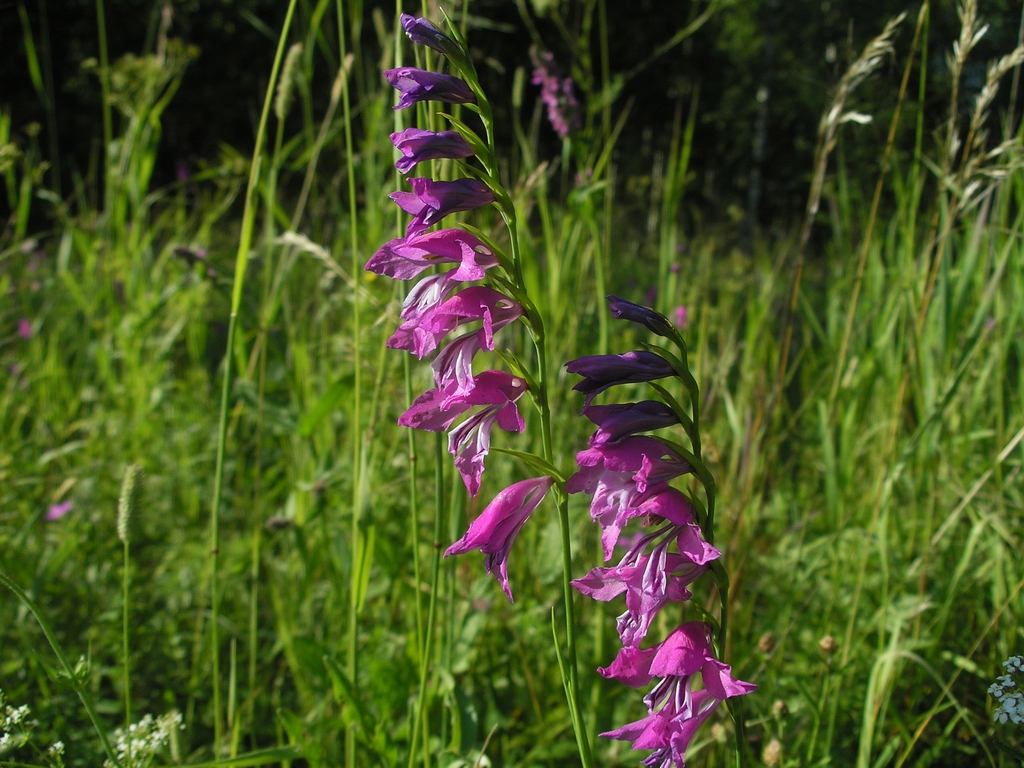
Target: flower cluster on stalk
[
  {"x": 557, "y": 93},
  {"x": 441, "y": 303},
  {"x": 628, "y": 474}
]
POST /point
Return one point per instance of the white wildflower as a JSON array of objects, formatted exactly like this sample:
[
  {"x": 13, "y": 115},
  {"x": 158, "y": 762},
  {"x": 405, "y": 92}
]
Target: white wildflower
[
  {"x": 136, "y": 746},
  {"x": 1008, "y": 691}
]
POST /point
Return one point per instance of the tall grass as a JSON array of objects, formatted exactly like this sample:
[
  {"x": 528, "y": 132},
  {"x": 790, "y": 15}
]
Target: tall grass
[{"x": 867, "y": 445}]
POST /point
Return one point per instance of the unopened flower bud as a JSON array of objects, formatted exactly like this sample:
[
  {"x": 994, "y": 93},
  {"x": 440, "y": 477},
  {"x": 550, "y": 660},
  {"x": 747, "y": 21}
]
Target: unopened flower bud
[
  {"x": 827, "y": 645},
  {"x": 771, "y": 755}
]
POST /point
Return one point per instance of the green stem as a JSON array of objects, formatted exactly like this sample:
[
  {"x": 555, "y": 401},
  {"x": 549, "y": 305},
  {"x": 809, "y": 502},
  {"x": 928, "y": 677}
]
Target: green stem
[
  {"x": 357, "y": 436},
  {"x": 241, "y": 260},
  {"x": 68, "y": 669},
  {"x": 124, "y": 632},
  {"x": 435, "y": 571}
]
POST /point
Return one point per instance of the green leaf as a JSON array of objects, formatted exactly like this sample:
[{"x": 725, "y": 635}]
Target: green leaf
[
  {"x": 326, "y": 404},
  {"x": 364, "y": 564},
  {"x": 343, "y": 692},
  {"x": 535, "y": 462},
  {"x": 472, "y": 138}
]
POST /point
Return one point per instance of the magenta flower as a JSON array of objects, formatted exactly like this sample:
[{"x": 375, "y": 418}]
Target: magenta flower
[
  {"x": 636, "y": 313},
  {"x": 405, "y": 258},
  {"x": 453, "y": 366},
  {"x": 418, "y": 85},
  {"x": 435, "y": 410},
  {"x": 477, "y": 303},
  {"x": 650, "y": 459},
  {"x": 419, "y": 305},
  {"x": 603, "y": 371},
  {"x": 25, "y": 328},
  {"x": 668, "y": 731},
  {"x": 422, "y": 32},
  {"x": 622, "y": 478},
  {"x": 470, "y": 442},
  {"x": 430, "y": 201},
  {"x": 649, "y": 583},
  {"x": 417, "y": 146},
  {"x": 616, "y": 422},
  {"x": 57, "y": 511},
  {"x": 495, "y": 530}
]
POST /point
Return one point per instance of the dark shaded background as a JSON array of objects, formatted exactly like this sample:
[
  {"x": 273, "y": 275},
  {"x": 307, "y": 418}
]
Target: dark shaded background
[{"x": 749, "y": 44}]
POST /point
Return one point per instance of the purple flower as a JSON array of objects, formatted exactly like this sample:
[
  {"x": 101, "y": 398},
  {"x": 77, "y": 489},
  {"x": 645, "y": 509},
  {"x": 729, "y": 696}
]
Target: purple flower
[
  {"x": 668, "y": 732},
  {"x": 453, "y": 366},
  {"x": 669, "y": 729},
  {"x": 635, "y": 313},
  {"x": 405, "y": 258},
  {"x": 649, "y": 582},
  {"x": 651, "y": 460},
  {"x": 417, "y": 145},
  {"x": 477, "y": 303},
  {"x": 632, "y": 666},
  {"x": 417, "y": 85},
  {"x": 623, "y": 478},
  {"x": 603, "y": 371},
  {"x": 57, "y": 511},
  {"x": 470, "y": 442},
  {"x": 436, "y": 409},
  {"x": 430, "y": 201},
  {"x": 618, "y": 421},
  {"x": 25, "y": 328},
  {"x": 494, "y": 531},
  {"x": 422, "y": 32},
  {"x": 427, "y": 317},
  {"x": 420, "y": 303}
]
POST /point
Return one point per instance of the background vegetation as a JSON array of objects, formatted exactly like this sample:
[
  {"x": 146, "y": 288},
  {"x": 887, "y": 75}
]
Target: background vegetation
[{"x": 853, "y": 292}]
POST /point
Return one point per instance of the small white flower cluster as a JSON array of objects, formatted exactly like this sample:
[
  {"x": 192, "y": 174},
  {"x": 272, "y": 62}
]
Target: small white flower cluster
[
  {"x": 137, "y": 745},
  {"x": 13, "y": 724},
  {"x": 1008, "y": 690}
]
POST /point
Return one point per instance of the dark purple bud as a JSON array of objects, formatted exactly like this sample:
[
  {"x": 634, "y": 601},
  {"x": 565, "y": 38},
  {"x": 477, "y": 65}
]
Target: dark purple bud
[
  {"x": 627, "y": 310},
  {"x": 417, "y": 145},
  {"x": 603, "y": 371},
  {"x": 422, "y": 32},
  {"x": 618, "y": 421},
  {"x": 417, "y": 85}
]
